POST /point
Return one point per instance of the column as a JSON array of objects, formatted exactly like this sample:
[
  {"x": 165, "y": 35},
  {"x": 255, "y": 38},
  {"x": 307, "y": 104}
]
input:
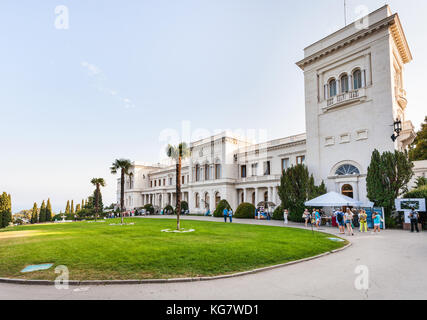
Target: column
[
  {"x": 256, "y": 197},
  {"x": 244, "y": 195},
  {"x": 270, "y": 196}
]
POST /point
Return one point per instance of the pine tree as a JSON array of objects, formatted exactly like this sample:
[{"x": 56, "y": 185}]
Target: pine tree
[
  {"x": 67, "y": 208},
  {"x": 34, "y": 214},
  {"x": 42, "y": 214},
  {"x": 296, "y": 187},
  {"x": 49, "y": 213}
]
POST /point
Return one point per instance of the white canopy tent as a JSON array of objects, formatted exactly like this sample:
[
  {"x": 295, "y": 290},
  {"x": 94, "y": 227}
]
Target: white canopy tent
[{"x": 334, "y": 199}]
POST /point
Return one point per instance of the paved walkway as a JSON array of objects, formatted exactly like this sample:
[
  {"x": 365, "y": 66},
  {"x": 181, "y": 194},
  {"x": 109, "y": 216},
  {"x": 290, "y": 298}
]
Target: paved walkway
[{"x": 396, "y": 261}]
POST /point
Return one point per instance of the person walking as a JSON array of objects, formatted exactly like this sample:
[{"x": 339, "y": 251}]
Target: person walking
[
  {"x": 230, "y": 215},
  {"x": 285, "y": 216},
  {"x": 306, "y": 216},
  {"x": 414, "y": 216},
  {"x": 363, "y": 221},
  {"x": 348, "y": 221},
  {"x": 225, "y": 213},
  {"x": 317, "y": 218}
]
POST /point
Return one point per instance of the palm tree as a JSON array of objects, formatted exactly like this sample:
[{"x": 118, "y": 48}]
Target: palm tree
[
  {"x": 124, "y": 165},
  {"x": 178, "y": 153},
  {"x": 97, "y": 182}
]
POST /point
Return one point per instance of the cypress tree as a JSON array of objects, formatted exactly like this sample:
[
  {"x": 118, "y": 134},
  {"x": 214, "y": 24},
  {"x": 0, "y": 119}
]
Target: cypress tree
[
  {"x": 72, "y": 206},
  {"x": 49, "y": 214},
  {"x": 67, "y": 208},
  {"x": 42, "y": 215},
  {"x": 4, "y": 204},
  {"x": 34, "y": 214},
  {"x": 78, "y": 208}
]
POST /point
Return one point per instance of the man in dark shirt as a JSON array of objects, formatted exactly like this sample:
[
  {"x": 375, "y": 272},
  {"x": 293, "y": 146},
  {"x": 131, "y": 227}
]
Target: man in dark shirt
[{"x": 413, "y": 215}]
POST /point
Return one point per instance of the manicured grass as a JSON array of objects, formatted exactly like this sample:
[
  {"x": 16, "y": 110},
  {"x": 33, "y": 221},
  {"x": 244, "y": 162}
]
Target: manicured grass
[{"x": 95, "y": 251}]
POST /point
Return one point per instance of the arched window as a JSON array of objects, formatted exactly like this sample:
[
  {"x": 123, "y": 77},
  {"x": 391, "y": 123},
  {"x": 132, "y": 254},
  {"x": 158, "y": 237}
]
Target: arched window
[
  {"x": 344, "y": 83},
  {"x": 217, "y": 198},
  {"x": 197, "y": 172},
  {"x": 347, "y": 190},
  {"x": 217, "y": 171},
  {"x": 207, "y": 200},
  {"x": 346, "y": 170},
  {"x": 197, "y": 201},
  {"x": 332, "y": 88},
  {"x": 357, "y": 79}
]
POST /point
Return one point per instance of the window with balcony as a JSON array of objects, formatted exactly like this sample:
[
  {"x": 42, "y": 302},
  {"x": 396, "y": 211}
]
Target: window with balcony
[
  {"x": 243, "y": 171},
  {"x": 344, "y": 84},
  {"x": 332, "y": 88},
  {"x": 357, "y": 79}
]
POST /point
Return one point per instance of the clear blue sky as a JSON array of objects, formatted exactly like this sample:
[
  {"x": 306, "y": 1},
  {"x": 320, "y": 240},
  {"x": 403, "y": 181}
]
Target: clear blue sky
[{"x": 73, "y": 100}]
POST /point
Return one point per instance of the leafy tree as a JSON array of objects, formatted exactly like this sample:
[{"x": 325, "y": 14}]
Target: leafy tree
[
  {"x": 418, "y": 150},
  {"x": 296, "y": 187},
  {"x": 421, "y": 181},
  {"x": 49, "y": 213},
  {"x": 178, "y": 153},
  {"x": 34, "y": 214},
  {"x": 42, "y": 214},
  {"x": 98, "y": 183},
  {"x": 124, "y": 166},
  {"x": 388, "y": 177}
]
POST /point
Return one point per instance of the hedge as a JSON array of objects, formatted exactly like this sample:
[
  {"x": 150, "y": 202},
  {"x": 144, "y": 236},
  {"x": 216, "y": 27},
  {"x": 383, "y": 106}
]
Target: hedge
[
  {"x": 245, "y": 211},
  {"x": 149, "y": 207},
  {"x": 220, "y": 208},
  {"x": 278, "y": 213},
  {"x": 168, "y": 210},
  {"x": 184, "y": 205}
]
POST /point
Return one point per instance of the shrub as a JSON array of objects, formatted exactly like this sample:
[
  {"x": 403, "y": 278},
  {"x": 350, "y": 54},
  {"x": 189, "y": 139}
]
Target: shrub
[
  {"x": 278, "y": 213},
  {"x": 184, "y": 205},
  {"x": 168, "y": 210},
  {"x": 220, "y": 208},
  {"x": 149, "y": 207},
  {"x": 245, "y": 211}
]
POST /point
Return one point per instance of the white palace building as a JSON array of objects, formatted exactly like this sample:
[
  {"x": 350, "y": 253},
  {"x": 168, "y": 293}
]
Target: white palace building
[{"x": 354, "y": 92}]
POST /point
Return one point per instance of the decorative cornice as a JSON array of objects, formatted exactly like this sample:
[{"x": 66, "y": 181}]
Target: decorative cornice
[{"x": 396, "y": 30}]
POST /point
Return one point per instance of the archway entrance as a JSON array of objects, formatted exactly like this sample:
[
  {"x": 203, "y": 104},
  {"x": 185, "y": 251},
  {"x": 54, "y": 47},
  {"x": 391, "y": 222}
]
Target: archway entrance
[
  {"x": 347, "y": 190},
  {"x": 217, "y": 199}
]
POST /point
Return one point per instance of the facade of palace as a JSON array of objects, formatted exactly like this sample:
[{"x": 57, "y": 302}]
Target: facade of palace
[{"x": 354, "y": 93}]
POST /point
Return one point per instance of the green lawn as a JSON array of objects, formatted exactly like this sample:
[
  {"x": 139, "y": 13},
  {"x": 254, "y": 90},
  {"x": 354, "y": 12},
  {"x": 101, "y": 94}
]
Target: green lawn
[{"x": 95, "y": 251}]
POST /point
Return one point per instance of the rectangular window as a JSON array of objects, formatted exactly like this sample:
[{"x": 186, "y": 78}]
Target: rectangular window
[
  {"x": 151, "y": 184},
  {"x": 183, "y": 179},
  {"x": 243, "y": 171},
  {"x": 217, "y": 171},
  {"x": 155, "y": 183},
  {"x": 267, "y": 168},
  {"x": 301, "y": 160},
  {"x": 254, "y": 167},
  {"x": 285, "y": 164},
  {"x": 164, "y": 182}
]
